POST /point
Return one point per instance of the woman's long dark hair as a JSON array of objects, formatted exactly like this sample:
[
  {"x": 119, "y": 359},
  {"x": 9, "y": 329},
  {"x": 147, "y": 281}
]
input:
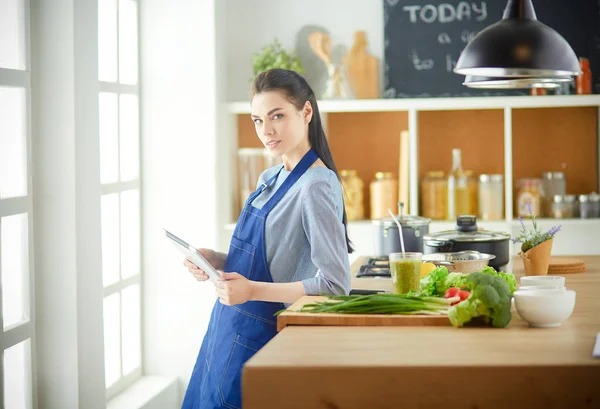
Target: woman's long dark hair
[{"x": 298, "y": 92}]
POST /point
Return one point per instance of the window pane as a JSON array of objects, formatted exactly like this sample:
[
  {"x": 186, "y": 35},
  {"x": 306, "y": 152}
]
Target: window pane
[
  {"x": 112, "y": 342},
  {"x": 130, "y": 233},
  {"x": 128, "y": 42},
  {"x": 107, "y": 40},
  {"x": 12, "y": 34},
  {"x": 13, "y": 140},
  {"x": 129, "y": 136},
  {"x": 109, "y": 137},
  {"x": 14, "y": 251},
  {"x": 110, "y": 238},
  {"x": 17, "y": 376},
  {"x": 131, "y": 328}
]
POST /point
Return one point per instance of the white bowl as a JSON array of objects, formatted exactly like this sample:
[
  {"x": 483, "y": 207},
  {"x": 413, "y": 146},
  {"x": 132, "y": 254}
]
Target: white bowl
[
  {"x": 548, "y": 281},
  {"x": 545, "y": 308},
  {"x": 540, "y": 287}
]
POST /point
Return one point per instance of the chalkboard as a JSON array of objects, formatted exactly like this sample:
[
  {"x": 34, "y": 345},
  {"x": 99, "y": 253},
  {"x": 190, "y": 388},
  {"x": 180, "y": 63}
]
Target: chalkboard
[{"x": 423, "y": 41}]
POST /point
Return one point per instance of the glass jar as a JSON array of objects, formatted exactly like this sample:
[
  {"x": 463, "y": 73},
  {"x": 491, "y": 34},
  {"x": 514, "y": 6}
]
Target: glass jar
[
  {"x": 472, "y": 195},
  {"x": 530, "y": 191},
  {"x": 353, "y": 194},
  {"x": 553, "y": 183},
  {"x": 434, "y": 195},
  {"x": 589, "y": 206},
  {"x": 491, "y": 197},
  {"x": 564, "y": 206},
  {"x": 384, "y": 194}
]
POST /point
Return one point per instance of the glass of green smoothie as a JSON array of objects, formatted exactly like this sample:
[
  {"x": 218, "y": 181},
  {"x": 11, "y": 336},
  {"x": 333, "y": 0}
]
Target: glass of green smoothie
[{"x": 406, "y": 272}]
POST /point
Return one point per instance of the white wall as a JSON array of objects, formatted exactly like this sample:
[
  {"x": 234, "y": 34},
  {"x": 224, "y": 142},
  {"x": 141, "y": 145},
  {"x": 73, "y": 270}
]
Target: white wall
[
  {"x": 179, "y": 170},
  {"x": 253, "y": 24},
  {"x": 66, "y": 187}
]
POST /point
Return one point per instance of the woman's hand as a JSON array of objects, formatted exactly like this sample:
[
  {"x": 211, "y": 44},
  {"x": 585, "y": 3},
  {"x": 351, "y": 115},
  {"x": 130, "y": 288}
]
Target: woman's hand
[
  {"x": 234, "y": 289},
  {"x": 210, "y": 256}
]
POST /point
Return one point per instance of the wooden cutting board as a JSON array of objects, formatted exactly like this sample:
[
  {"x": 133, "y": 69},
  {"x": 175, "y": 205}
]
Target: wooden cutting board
[
  {"x": 564, "y": 265},
  {"x": 361, "y": 68},
  {"x": 352, "y": 320}
]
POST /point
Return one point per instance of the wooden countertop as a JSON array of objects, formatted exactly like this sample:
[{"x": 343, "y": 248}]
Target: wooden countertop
[{"x": 431, "y": 367}]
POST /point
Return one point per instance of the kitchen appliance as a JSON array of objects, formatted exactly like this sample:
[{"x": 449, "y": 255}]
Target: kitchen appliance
[
  {"x": 466, "y": 236},
  {"x": 375, "y": 267},
  {"x": 387, "y": 238}
]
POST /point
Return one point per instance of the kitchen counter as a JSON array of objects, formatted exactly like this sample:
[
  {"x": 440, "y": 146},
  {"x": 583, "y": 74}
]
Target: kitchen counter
[{"x": 434, "y": 367}]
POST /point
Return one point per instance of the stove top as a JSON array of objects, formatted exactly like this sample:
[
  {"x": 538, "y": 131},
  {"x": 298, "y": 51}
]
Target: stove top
[{"x": 374, "y": 268}]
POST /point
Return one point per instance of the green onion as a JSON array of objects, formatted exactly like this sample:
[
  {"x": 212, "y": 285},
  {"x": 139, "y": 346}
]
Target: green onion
[{"x": 381, "y": 304}]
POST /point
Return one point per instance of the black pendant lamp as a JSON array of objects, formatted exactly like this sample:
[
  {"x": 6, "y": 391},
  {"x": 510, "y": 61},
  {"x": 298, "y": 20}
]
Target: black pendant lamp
[
  {"x": 518, "y": 46},
  {"x": 472, "y": 81}
]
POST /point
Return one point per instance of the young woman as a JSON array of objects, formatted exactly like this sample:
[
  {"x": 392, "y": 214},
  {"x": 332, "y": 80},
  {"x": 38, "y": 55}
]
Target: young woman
[{"x": 290, "y": 240}]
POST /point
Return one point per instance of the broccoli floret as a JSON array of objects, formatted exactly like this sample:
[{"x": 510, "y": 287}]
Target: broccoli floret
[
  {"x": 489, "y": 300},
  {"x": 509, "y": 278}
]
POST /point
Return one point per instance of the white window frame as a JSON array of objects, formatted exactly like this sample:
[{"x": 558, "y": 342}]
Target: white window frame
[
  {"x": 120, "y": 187},
  {"x": 24, "y": 331}
]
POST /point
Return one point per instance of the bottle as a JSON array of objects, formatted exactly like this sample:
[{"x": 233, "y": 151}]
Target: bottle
[
  {"x": 583, "y": 82},
  {"x": 458, "y": 193},
  {"x": 384, "y": 195}
]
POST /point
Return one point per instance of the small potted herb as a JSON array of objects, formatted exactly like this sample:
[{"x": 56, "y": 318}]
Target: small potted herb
[
  {"x": 536, "y": 246},
  {"x": 275, "y": 56}
]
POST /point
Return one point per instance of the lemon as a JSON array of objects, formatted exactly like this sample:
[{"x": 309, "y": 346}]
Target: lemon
[{"x": 427, "y": 268}]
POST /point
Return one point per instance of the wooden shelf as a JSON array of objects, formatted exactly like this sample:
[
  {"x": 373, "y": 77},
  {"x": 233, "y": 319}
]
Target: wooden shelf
[
  {"x": 557, "y": 140},
  {"x": 441, "y": 104}
]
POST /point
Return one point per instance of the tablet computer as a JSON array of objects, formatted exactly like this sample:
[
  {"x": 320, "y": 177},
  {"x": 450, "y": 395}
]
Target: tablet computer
[{"x": 192, "y": 254}]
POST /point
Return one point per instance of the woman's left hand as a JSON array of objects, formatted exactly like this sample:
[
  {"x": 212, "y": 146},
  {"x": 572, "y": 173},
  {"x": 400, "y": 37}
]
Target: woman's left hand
[{"x": 234, "y": 289}]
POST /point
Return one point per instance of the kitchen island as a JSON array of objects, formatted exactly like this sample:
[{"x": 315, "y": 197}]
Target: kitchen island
[{"x": 434, "y": 367}]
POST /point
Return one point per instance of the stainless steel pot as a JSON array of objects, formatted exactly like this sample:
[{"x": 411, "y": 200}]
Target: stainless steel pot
[
  {"x": 387, "y": 238},
  {"x": 468, "y": 237}
]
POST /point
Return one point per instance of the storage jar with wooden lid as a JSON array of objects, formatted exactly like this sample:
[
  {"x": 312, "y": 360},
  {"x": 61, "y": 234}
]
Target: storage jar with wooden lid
[
  {"x": 384, "y": 194},
  {"x": 353, "y": 194},
  {"x": 434, "y": 195}
]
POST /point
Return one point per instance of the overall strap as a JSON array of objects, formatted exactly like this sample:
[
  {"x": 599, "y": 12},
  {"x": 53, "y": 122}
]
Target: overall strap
[{"x": 306, "y": 162}]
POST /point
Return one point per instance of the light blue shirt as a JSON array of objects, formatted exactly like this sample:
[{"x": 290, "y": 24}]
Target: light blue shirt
[{"x": 305, "y": 238}]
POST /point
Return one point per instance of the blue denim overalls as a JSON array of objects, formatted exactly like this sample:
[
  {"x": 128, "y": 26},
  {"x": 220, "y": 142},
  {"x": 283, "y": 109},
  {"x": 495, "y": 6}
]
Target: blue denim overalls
[{"x": 236, "y": 333}]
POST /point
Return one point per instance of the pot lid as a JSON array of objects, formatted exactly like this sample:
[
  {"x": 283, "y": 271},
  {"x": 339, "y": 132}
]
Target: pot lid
[
  {"x": 408, "y": 221},
  {"x": 470, "y": 236}
]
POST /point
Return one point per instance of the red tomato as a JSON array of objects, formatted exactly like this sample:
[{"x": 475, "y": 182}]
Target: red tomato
[
  {"x": 452, "y": 292},
  {"x": 463, "y": 295}
]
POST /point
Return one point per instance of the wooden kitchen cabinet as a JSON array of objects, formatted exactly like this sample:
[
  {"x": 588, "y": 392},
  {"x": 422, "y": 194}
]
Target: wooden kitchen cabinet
[{"x": 516, "y": 136}]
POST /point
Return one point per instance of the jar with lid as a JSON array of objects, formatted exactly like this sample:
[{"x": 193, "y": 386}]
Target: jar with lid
[
  {"x": 553, "y": 183},
  {"x": 564, "y": 206},
  {"x": 384, "y": 194},
  {"x": 434, "y": 195},
  {"x": 491, "y": 197},
  {"x": 589, "y": 206},
  {"x": 353, "y": 194},
  {"x": 472, "y": 195},
  {"x": 530, "y": 191}
]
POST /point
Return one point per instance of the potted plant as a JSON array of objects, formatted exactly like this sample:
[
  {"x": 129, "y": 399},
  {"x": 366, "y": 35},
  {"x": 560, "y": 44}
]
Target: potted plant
[
  {"x": 275, "y": 56},
  {"x": 536, "y": 246}
]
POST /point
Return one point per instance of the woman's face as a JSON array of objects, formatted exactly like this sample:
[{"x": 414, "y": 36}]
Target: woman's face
[{"x": 279, "y": 125}]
